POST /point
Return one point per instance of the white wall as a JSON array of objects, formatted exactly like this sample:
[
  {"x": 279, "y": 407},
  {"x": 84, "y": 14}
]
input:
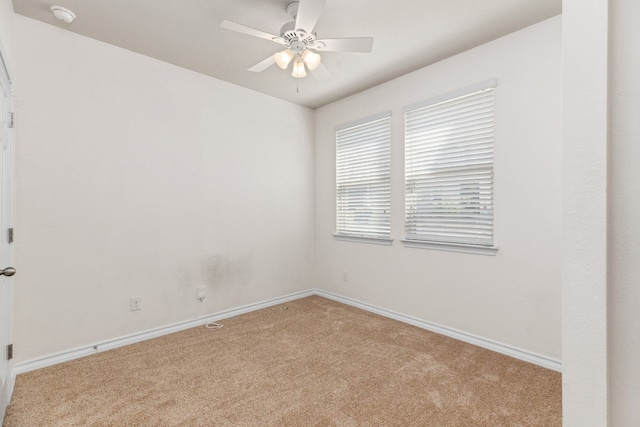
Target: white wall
[
  {"x": 584, "y": 267},
  {"x": 514, "y": 297},
  {"x": 6, "y": 29},
  {"x": 139, "y": 178},
  {"x": 624, "y": 211}
]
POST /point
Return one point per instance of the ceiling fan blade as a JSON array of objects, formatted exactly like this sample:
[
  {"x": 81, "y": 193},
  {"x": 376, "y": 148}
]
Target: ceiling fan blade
[
  {"x": 321, "y": 73},
  {"x": 263, "y": 65},
  {"x": 353, "y": 44},
  {"x": 309, "y": 12},
  {"x": 233, "y": 26}
]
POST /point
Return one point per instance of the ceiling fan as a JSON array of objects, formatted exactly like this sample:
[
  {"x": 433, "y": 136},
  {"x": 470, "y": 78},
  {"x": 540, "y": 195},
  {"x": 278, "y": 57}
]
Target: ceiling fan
[{"x": 301, "y": 43}]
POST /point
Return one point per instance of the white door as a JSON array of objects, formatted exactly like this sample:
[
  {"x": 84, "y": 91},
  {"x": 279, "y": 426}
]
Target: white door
[{"x": 6, "y": 122}]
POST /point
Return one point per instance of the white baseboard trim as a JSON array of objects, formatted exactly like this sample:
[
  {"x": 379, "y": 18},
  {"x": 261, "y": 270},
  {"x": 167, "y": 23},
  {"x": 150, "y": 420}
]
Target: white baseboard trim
[
  {"x": 527, "y": 356},
  {"x": 67, "y": 355}
]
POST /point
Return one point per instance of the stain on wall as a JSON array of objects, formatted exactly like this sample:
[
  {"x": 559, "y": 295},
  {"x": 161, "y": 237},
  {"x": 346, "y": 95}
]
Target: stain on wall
[{"x": 223, "y": 270}]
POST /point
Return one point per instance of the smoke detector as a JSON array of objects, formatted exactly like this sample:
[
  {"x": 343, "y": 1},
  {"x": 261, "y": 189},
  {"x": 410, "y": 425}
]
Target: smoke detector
[{"x": 63, "y": 14}]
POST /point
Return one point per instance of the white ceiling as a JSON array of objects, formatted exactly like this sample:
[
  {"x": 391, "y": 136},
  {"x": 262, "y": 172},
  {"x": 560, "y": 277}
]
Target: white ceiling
[{"x": 408, "y": 35}]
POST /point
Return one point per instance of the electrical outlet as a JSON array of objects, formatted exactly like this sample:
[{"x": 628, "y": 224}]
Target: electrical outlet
[
  {"x": 345, "y": 276},
  {"x": 136, "y": 303},
  {"x": 201, "y": 293}
]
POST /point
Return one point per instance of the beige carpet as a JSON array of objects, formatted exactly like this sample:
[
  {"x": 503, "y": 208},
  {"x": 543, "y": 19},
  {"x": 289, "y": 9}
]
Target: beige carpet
[{"x": 315, "y": 363}]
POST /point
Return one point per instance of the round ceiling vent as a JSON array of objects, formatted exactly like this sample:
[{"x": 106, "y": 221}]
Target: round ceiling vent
[{"x": 63, "y": 14}]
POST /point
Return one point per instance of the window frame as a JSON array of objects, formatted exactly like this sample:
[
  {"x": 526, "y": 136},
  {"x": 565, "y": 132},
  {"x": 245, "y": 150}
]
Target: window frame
[
  {"x": 380, "y": 184},
  {"x": 464, "y": 244}
]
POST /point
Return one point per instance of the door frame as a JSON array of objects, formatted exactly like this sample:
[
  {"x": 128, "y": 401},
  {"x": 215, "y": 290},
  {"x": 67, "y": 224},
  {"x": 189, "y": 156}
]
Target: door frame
[{"x": 7, "y": 390}]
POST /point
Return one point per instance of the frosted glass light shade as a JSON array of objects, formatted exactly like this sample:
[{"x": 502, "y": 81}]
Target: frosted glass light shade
[
  {"x": 283, "y": 58},
  {"x": 311, "y": 59},
  {"x": 298, "y": 70}
]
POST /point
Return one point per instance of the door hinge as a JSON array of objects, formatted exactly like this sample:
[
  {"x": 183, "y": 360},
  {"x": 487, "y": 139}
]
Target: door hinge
[
  {"x": 12, "y": 119},
  {"x": 10, "y": 352},
  {"x": 10, "y": 235}
]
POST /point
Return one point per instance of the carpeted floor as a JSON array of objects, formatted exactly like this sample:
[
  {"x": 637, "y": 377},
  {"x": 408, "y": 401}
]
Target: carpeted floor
[{"x": 311, "y": 362}]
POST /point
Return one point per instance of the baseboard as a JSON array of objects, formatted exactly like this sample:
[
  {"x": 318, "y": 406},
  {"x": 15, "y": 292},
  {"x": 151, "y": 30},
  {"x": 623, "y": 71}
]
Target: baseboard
[
  {"x": 67, "y": 355},
  {"x": 64, "y": 356},
  {"x": 527, "y": 356}
]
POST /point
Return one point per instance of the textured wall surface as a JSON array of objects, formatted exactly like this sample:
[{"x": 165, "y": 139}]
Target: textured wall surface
[
  {"x": 624, "y": 211},
  {"x": 584, "y": 267}
]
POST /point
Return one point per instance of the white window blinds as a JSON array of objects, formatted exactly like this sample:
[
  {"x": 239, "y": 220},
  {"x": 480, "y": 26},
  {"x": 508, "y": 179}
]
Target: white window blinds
[
  {"x": 449, "y": 169},
  {"x": 363, "y": 178}
]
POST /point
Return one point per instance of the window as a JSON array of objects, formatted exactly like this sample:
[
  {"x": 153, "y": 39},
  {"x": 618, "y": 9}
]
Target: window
[
  {"x": 449, "y": 171},
  {"x": 363, "y": 180}
]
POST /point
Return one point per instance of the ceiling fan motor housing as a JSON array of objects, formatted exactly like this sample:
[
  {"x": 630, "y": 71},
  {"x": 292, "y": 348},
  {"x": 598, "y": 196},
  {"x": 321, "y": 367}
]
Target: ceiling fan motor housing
[
  {"x": 297, "y": 47},
  {"x": 290, "y": 35}
]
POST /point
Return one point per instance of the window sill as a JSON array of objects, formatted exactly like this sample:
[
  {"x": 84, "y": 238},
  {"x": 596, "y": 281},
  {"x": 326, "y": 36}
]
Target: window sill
[
  {"x": 451, "y": 247},
  {"x": 361, "y": 239}
]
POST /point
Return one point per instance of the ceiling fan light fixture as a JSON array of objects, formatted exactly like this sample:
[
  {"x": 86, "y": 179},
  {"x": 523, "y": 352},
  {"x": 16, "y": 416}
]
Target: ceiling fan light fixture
[
  {"x": 300, "y": 43},
  {"x": 311, "y": 59},
  {"x": 283, "y": 58},
  {"x": 298, "y": 69}
]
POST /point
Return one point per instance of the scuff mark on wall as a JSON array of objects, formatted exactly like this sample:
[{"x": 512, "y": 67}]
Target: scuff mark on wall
[{"x": 222, "y": 271}]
